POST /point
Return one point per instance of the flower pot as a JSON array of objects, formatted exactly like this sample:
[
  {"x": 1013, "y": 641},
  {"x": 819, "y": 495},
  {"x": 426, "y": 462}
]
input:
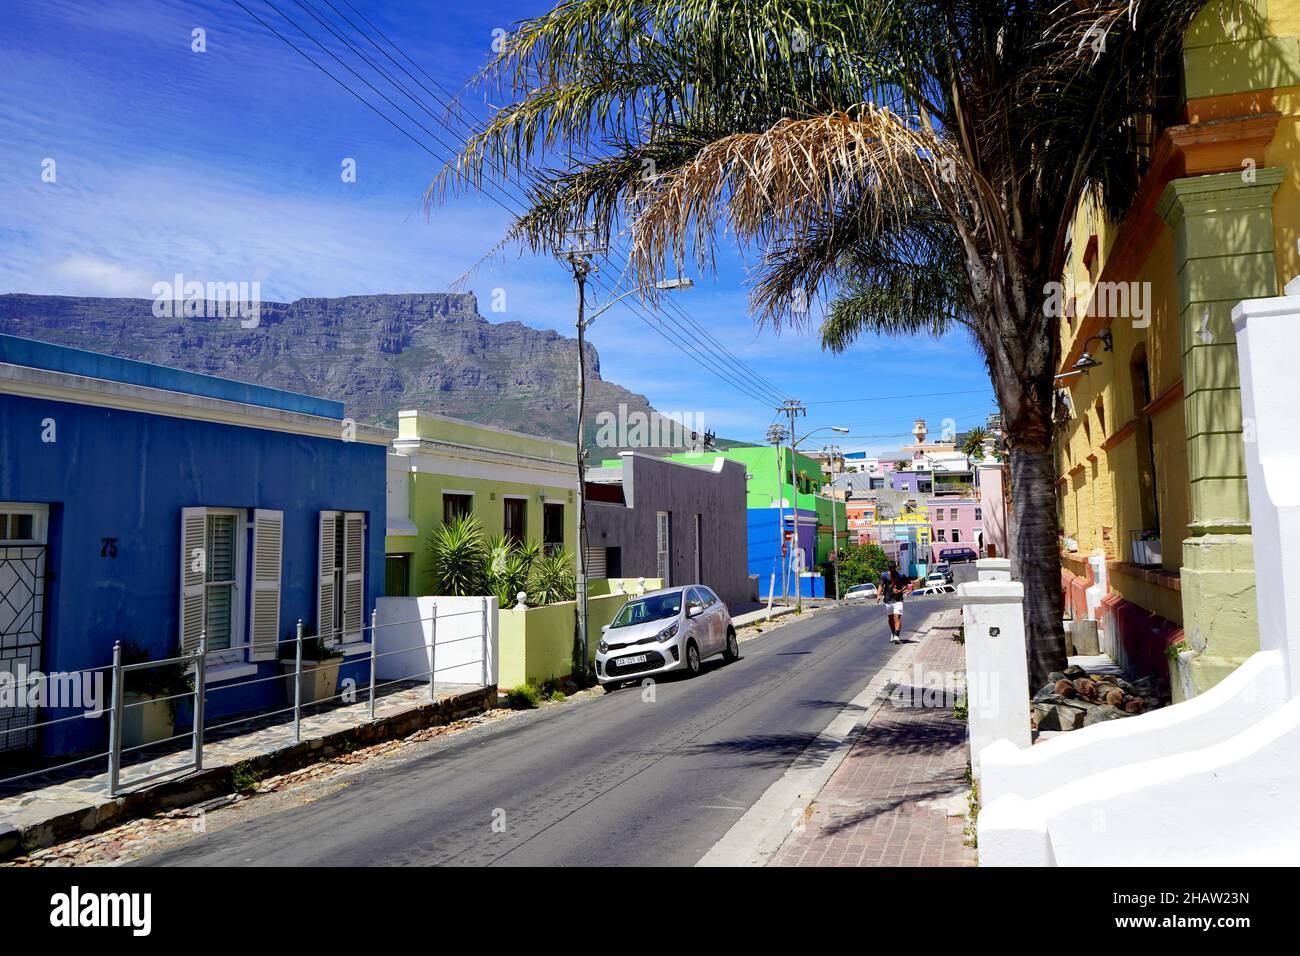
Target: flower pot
[
  {"x": 145, "y": 719},
  {"x": 317, "y": 682}
]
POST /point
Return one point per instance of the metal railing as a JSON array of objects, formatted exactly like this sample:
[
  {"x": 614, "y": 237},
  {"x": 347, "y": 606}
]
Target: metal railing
[{"x": 197, "y": 663}]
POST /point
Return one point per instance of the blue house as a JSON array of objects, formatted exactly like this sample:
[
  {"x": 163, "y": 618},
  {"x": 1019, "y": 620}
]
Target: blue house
[{"x": 148, "y": 504}]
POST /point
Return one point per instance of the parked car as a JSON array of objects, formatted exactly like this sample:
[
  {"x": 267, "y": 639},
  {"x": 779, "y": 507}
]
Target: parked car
[
  {"x": 670, "y": 630},
  {"x": 935, "y": 577},
  {"x": 861, "y": 592},
  {"x": 932, "y": 589},
  {"x": 949, "y": 555},
  {"x": 945, "y": 570}
]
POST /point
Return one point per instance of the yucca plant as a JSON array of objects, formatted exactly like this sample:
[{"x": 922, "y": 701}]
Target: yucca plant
[
  {"x": 457, "y": 557},
  {"x": 506, "y": 568},
  {"x": 554, "y": 578},
  {"x": 917, "y": 165}
]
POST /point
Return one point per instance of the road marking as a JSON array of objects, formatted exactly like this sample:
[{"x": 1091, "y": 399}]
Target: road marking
[{"x": 756, "y": 837}]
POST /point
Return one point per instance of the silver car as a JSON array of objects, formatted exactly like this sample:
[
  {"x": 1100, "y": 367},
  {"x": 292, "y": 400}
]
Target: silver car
[{"x": 669, "y": 630}]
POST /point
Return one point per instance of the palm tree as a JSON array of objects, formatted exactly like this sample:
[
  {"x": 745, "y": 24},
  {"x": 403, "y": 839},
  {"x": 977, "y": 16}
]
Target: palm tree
[
  {"x": 916, "y": 165},
  {"x": 973, "y": 446}
]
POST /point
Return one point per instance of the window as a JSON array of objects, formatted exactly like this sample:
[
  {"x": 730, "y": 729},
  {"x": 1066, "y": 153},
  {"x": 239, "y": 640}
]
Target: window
[
  {"x": 663, "y": 546},
  {"x": 341, "y": 561},
  {"x": 515, "y": 510},
  {"x": 939, "y": 534},
  {"x": 553, "y": 526},
  {"x": 956, "y": 536},
  {"x": 952, "y": 514},
  {"x": 228, "y": 600},
  {"x": 397, "y": 575},
  {"x": 219, "y": 582},
  {"x": 979, "y": 514},
  {"x": 693, "y": 601},
  {"x": 16, "y": 527},
  {"x": 456, "y": 505}
]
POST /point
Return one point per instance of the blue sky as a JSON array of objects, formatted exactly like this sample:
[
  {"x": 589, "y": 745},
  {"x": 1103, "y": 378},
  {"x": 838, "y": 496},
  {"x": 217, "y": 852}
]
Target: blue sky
[{"x": 225, "y": 166}]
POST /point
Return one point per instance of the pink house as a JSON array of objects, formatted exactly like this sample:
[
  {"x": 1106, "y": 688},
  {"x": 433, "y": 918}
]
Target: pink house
[{"x": 956, "y": 521}]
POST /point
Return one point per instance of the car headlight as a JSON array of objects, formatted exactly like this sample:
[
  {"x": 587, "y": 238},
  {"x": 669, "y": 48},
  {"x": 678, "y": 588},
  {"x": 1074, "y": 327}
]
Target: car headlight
[
  {"x": 668, "y": 633},
  {"x": 602, "y": 646}
]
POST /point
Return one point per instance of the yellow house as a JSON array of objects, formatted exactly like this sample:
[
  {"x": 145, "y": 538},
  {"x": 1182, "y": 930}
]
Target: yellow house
[{"x": 1151, "y": 475}]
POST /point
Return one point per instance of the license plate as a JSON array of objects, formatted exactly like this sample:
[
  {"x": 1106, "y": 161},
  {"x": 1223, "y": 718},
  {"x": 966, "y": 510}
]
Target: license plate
[{"x": 635, "y": 659}]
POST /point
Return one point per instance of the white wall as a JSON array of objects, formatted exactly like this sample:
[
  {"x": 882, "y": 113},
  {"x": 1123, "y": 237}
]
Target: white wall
[{"x": 406, "y": 650}]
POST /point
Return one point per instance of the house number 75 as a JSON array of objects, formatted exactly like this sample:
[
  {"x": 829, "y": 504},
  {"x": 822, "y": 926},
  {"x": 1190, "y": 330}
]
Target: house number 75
[{"x": 108, "y": 548}]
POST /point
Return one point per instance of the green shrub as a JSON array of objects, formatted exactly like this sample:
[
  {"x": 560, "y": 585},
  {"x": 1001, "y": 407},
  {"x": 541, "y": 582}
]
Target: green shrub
[
  {"x": 523, "y": 697},
  {"x": 554, "y": 578},
  {"x": 457, "y": 557}
]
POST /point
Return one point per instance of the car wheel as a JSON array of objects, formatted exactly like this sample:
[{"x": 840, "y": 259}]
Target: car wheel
[
  {"x": 692, "y": 660},
  {"x": 732, "y": 653},
  {"x": 612, "y": 686}
]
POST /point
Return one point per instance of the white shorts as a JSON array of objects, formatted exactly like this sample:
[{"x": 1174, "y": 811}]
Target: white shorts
[{"x": 895, "y": 608}]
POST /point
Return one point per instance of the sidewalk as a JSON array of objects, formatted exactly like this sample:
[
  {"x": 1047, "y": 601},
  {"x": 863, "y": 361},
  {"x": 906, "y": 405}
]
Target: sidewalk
[{"x": 899, "y": 797}]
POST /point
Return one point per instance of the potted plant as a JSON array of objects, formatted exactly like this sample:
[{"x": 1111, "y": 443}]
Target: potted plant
[
  {"x": 150, "y": 697},
  {"x": 320, "y": 669}
]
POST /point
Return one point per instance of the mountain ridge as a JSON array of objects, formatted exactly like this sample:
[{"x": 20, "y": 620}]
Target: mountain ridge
[{"x": 378, "y": 354}]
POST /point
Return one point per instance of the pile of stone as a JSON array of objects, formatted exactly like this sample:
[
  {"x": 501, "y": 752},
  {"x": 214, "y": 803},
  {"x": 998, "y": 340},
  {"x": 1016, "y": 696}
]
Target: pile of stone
[{"x": 1073, "y": 698}]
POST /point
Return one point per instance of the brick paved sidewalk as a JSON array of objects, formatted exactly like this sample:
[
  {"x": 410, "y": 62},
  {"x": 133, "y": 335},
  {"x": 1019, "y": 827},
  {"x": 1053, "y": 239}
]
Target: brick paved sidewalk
[{"x": 899, "y": 797}]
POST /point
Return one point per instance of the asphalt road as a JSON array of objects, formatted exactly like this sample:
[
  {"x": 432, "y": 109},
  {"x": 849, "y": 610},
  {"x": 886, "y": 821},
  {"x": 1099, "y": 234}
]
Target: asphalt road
[{"x": 616, "y": 780}]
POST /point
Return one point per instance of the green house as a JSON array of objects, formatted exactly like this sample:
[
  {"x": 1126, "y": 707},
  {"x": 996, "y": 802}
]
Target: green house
[{"x": 521, "y": 486}]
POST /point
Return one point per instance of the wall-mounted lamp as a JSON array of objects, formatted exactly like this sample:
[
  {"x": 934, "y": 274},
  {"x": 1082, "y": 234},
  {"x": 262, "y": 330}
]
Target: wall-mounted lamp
[{"x": 1086, "y": 362}]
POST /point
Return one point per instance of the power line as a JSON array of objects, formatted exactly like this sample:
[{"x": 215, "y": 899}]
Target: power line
[
  {"x": 452, "y": 106},
  {"x": 750, "y": 391}
]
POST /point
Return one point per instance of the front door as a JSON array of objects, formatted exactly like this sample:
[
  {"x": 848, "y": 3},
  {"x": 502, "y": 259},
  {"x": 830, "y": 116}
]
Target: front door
[{"x": 22, "y": 610}]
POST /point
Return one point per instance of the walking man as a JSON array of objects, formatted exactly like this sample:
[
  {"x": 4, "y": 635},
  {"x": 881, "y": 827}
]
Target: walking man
[{"x": 893, "y": 586}]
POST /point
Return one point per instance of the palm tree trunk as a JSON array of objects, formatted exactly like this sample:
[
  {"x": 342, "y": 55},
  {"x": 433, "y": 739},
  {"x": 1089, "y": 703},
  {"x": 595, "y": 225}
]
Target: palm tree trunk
[{"x": 1037, "y": 550}]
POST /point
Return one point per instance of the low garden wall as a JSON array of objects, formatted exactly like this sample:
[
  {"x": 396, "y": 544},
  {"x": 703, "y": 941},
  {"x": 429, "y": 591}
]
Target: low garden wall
[{"x": 536, "y": 643}]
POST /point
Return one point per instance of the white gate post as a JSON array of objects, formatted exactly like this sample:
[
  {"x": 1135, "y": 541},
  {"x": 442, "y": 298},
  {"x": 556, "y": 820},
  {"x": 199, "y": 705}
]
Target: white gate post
[
  {"x": 997, "y": 667},
  {"x": 1268, "y": 331}
]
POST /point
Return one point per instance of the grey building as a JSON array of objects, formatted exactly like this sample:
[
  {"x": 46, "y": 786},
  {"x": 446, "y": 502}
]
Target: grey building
[{"x": 650, "y": 517}]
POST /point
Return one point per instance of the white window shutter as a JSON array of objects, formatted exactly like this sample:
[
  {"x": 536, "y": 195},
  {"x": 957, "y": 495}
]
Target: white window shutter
[
  {"x": 268, "y": 536},
  {"x": 325, "y": 565},
  {"x": 194, "y": 564},
  {"x": 354, "y": 575}
]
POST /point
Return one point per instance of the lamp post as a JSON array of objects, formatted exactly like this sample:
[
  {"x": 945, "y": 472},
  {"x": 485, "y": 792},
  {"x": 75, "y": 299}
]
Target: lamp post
[{"x": 580, "y": 258}]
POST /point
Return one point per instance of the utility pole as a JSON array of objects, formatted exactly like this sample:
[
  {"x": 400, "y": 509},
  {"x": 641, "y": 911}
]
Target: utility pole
[
  {"x": 579, "y": 256},
  {"x": 776, "y": 436},
  {"x": 794, "y": 408}
]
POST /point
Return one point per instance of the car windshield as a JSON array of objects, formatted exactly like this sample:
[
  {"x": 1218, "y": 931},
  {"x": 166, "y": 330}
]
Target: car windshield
[{"x": 657, "y": 607}]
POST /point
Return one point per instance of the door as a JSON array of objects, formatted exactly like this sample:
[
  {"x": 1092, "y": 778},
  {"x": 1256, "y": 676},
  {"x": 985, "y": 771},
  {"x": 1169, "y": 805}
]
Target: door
[
  {"x": 713, "y": 610},
  {"x": 697, "y": 625},
  {"x": 22, "y": 611}
]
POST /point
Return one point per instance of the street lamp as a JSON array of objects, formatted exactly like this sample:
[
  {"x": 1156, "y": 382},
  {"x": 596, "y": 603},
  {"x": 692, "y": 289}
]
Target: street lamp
[{"x": 579, "y": 259}]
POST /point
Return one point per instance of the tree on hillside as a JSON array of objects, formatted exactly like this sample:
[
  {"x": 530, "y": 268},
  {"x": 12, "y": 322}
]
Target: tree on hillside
[{"x": 915, "y": 165}]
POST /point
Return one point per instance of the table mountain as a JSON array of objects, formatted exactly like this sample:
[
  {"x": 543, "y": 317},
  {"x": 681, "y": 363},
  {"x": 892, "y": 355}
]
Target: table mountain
[{"x": 376, "y": 353}]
